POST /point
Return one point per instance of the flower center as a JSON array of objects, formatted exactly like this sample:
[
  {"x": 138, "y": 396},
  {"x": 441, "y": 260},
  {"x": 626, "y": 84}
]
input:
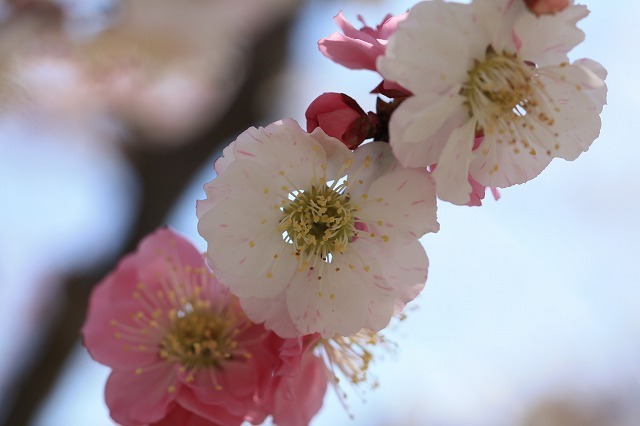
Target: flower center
[
  {"x": 319, "y": 221},
  {"x": 199, "y": 338},
  {"x": 500, "y": 90}
]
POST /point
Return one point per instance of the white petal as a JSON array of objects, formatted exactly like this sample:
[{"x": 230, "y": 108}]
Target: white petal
[
  {"x": 442, "y": 12},
  {"x": 215, "y": 192},
  {"x": 243, "y": 251},
  {"x": 380, "y": 294},
  {"x": 312, "y": 307},
  {"x": 452, "y": 173},
  {"x": 338, "y": 155},
  {"x": 578, "y": 121},
  {"x": 225, "y": 159},
  {"x": 502, "y": 165},
  {"x": 245, "y": 247},
  {"x": 495, "y": 21},
  {"x": 597, "y": 91},
  {"x": 282, "y": 146},
  {"x": 429, "y": 52},
  {"x": 273, "y": 312},
  {"x": 370, "y": 161},
  {"x": 400, "y": 276},
  {"x": 421, "y": 125},
  {"x": 547, "y": 39},
  {"x": 404, "y": 265},
  {"x": 402, "y": 203},
  {"x": 593, "y": 66}
]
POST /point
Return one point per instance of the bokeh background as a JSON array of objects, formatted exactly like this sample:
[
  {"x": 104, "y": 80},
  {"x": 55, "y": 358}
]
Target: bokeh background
[{"x": 111, "y": 115}]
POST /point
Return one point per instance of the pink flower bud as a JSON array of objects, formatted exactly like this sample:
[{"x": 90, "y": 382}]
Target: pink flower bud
[
  {"x": 545, "y": 7},
  {"x": 339, "y": 116}
]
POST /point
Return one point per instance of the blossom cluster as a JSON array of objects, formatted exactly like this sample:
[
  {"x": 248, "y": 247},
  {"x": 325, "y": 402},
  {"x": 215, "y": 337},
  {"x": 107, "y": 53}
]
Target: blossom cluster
[{"x": 313, "y": 234}]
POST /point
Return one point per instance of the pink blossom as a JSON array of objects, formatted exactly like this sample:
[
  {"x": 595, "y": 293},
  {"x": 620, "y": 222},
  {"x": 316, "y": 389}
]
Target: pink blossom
[
  {"x": 359, "y": 49},
  {"x": 340, "y": 116},
  {"x": 178, "y": 342},
  {"x": 545, "y": 7}
]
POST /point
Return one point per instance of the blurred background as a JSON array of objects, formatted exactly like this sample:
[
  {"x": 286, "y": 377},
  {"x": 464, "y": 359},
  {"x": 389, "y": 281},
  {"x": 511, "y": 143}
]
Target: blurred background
[{"x": 111, "y": 115}]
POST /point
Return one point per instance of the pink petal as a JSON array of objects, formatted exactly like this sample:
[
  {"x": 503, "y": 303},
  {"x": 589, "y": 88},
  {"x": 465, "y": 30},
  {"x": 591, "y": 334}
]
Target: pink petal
[
  {"x": 136, "y": 399},
  {"x": 111, "y": 307},
  {"x": 108, "y": 339},
  {"x": 165, "y": 253},
  {"x": 350, "y": 31},
  {"x": 355, "y": 49},
  {"x": 348, "y": 52},
  {"x": 180, "y": 416},
  {"x": 218, "y": 414},
  {"x": 301, "y": 400},
  {"x": 237, "y": 381}
]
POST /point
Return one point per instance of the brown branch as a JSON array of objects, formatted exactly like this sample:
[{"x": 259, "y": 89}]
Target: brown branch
[{"x": 163, "y": 176}]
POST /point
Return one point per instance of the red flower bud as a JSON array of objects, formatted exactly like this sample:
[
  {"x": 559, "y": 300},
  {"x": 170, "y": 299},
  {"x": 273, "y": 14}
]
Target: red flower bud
[
  {"x": 545, "y": 7},
  {"x": 339, "y": 116}
]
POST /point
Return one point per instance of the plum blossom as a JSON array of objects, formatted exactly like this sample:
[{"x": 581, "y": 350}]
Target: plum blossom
[
  {"x": 181, "y": 348},
  {"x": 315, "y": 238},
  {"x": 490, "y": 69}
]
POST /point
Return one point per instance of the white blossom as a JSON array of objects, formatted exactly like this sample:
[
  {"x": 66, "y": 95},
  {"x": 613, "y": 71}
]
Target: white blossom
[
  {"x": 490, "y": 68},
  {"x": 314, "y": 237}
]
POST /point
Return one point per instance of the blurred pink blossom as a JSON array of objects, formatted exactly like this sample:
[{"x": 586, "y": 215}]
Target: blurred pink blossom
[
  {"x": 181, "y": 347},
  {"x": 161, "y": 68}
]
